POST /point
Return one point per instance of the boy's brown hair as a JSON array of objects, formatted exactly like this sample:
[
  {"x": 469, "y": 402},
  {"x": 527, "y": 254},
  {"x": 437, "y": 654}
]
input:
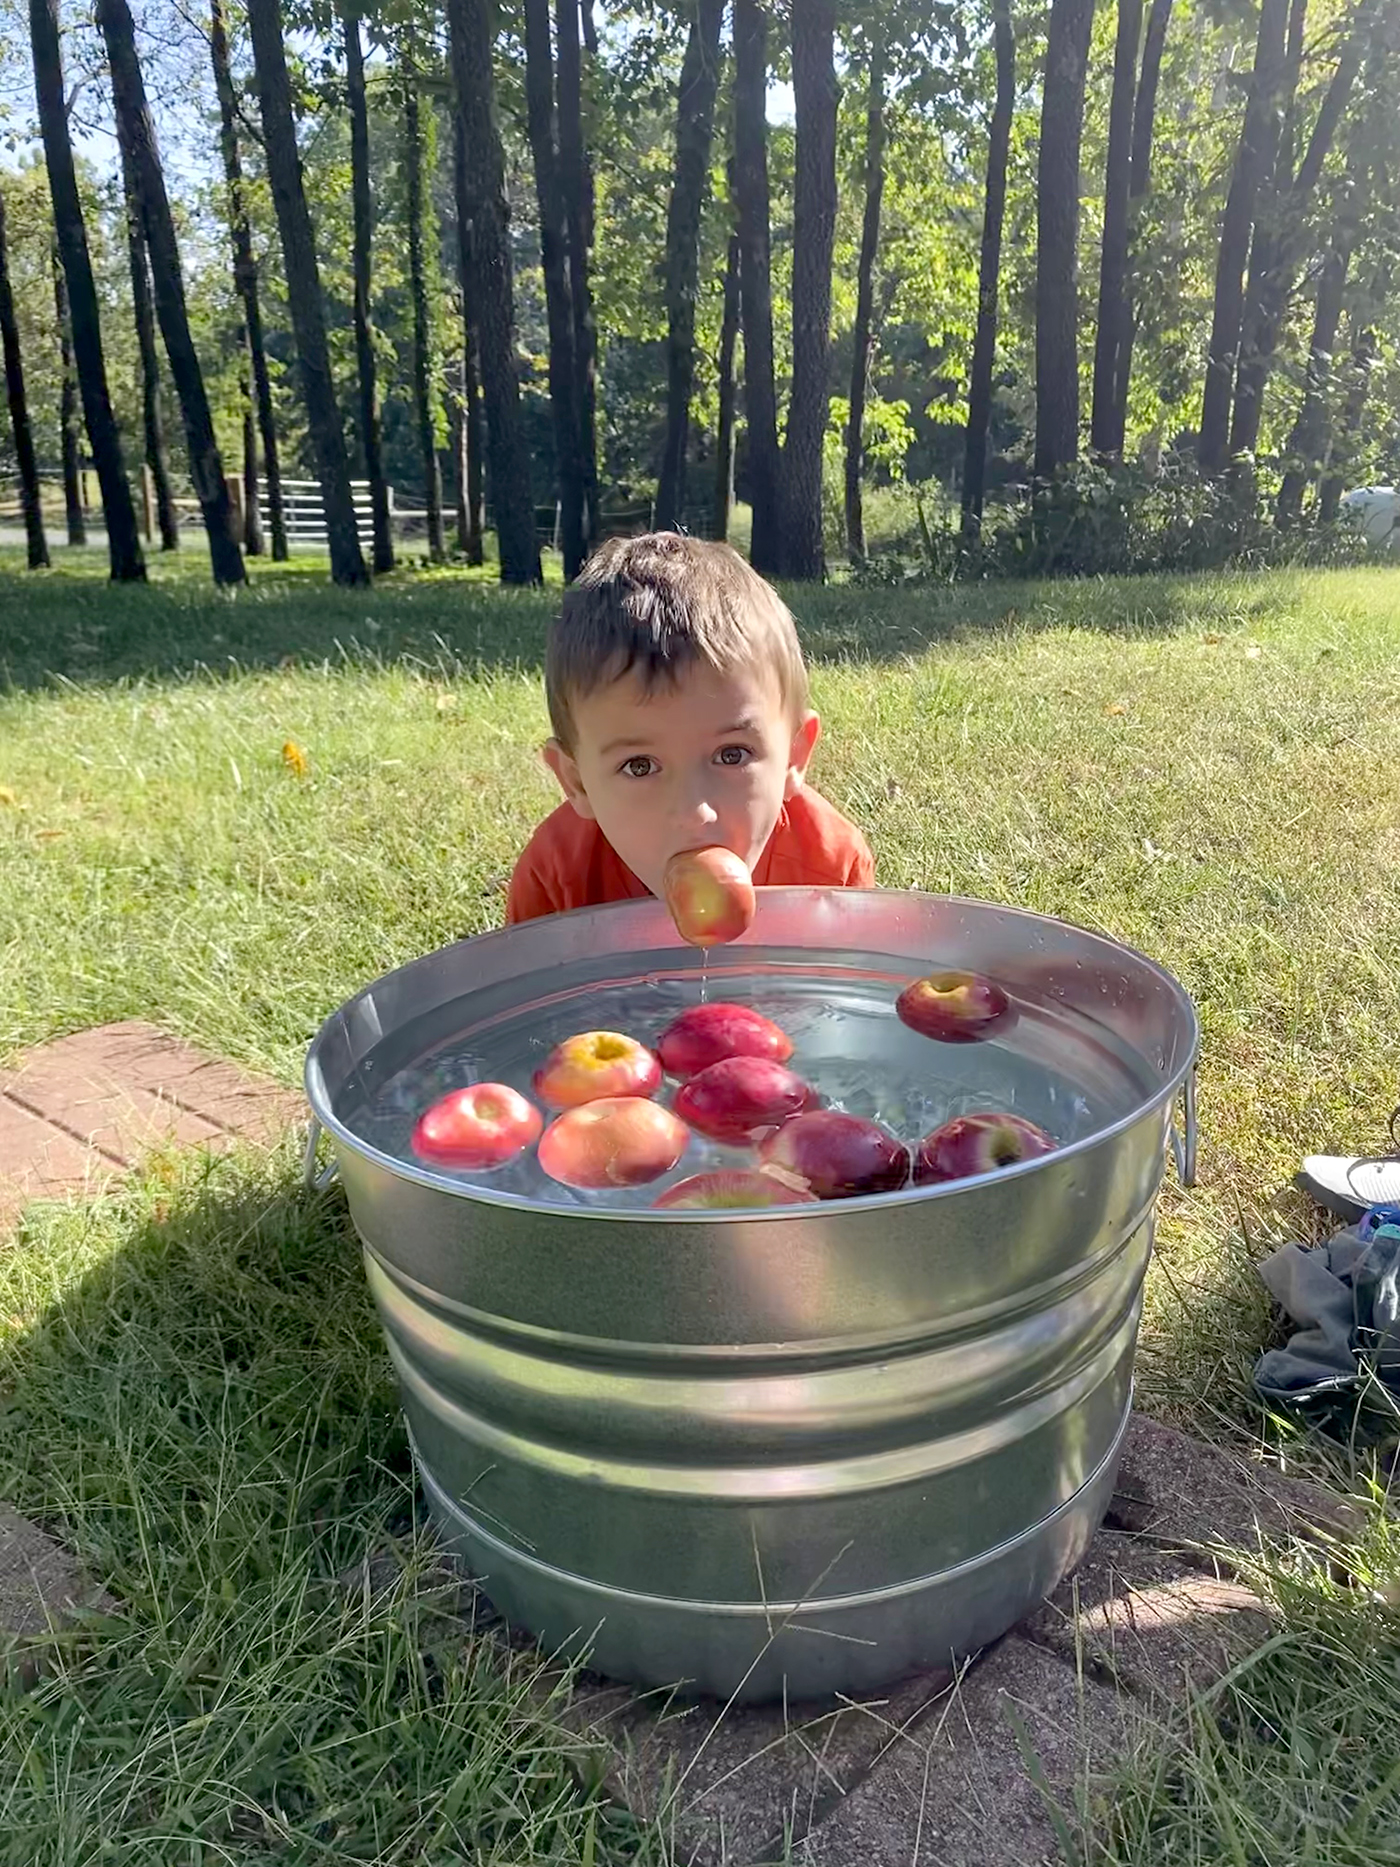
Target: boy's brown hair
[{"x": 658, "y": 605}]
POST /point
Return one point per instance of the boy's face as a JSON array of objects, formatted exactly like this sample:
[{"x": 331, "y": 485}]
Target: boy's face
[{"x": 708, "y": 760}]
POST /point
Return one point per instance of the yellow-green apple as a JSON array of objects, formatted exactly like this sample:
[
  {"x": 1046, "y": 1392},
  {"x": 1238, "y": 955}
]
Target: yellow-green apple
[
  {"x": 837, "y": 1156},
  {"x": 617, "y": 1141},
  {"x": 477, "y": 1128},
  {"x": 595, "y": 1064},
  {"x": 706, "y": 1034},
  {"x": 737, "y": 1187},
  {"x": 710, "y": 895},
  {"x": 954, "y": 1007},
  {"x": 735, "y": 1099},
  {"x": 980, "y": 1143}
]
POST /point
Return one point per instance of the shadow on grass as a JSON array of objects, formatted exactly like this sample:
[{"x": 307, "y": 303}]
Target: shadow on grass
[
  {"x": 198, "y": 1403},
  {"x": 72, "y": 625}
]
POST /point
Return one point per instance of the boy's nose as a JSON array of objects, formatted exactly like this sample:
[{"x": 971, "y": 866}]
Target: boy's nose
[{"x": 701, "y": 814}]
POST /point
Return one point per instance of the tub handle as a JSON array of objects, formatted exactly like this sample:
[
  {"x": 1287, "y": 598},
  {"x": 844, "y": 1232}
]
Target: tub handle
[
  {"x": 1183, "y": 1139},
  {"x": 317, "y": 1177}
]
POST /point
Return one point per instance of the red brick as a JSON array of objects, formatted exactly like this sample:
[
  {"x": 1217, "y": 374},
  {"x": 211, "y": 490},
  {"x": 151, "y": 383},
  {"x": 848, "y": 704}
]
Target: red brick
[
  {"x": 1150, "y": 1618},
  {"x": 39, "y": 1161}
]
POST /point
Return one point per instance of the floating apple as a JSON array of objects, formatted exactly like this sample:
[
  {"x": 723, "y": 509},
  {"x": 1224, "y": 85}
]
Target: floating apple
[
  {"x": 616, "y": 1141},
  {"x": 738, "y": 1187},
  {"x": 477, "y": 1128},
  {"x": 706, "y": 1034},
  {"x": 837, "y": 1156},
  {"x": 970, "y": 1144},
  {"x": 737, "y": 1098},
  {"x": 710, "y": 895},
  {"x": 954, "y": 1007},
  {"x": 596, "y": 1064}
]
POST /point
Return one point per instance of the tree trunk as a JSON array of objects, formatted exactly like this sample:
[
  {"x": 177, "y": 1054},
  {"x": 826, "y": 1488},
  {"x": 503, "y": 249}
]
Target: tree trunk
[
  {"x": 123, "y": 542},
  {"x": 1105, "y": 430},
  {"x": 1276, "y": 244},
  {"x": 245, "y": 279},
  {"x": 984, "y": 345},
  {"x": 489, "y": 293},
  {"x": 815, "y": 97},
  {"x": 153, "y": 425},
  {"x": 1057, "y": 237},
  {"x": 1258, "y": 142},
  {"x": 554, "y": 262},
  {"x": 304, "y": 290},
  {"x": 863, "y": 337},
  {"x": 473, "y": 428},
  {"x": 252, "y": 513},
  {"x": 724, "y": 432},
  {"x": 418, "y": 155},
  {"x": 576, "y": 179},
  {"x": 755, "y": 279},
  {"x": 459, "y": 460},
  {"x": 1140, "y": 176},
  {"x": 1307, "y": 443},
  {"x": 695, "y": 121},
  {"x": 67, "y": 406},
  {"x": 1361, "y": 363},
  {"x": 362, "y": 204},
  {"x": 138, "y": 135},
  {"x": 19, "y": 414}
]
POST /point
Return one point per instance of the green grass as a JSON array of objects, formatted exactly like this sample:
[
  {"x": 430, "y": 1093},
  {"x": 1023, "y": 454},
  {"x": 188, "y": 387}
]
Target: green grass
[{"x": 195, "y": 1395}]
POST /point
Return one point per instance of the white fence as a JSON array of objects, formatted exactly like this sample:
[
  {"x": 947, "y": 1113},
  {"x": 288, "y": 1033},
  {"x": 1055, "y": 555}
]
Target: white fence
[{"x": 306, "y": 515}]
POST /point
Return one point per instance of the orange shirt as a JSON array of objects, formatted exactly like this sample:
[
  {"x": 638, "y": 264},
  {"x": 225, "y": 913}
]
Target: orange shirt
[{"x": 568, "y": 864}]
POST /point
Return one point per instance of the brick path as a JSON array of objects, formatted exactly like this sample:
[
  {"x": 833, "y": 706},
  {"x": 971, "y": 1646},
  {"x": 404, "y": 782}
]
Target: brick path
[{"x": 79, "y": 1111}]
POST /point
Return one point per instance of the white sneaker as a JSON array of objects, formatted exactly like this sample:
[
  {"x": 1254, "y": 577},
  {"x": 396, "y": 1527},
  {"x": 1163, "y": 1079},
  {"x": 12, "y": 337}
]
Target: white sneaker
[{"x": 1348, "y": 1183}]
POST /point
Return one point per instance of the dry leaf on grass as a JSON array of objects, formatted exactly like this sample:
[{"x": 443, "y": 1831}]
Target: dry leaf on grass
[
  {"x": 1114, "y": 710},
  {"x": 295, "y": 759}
]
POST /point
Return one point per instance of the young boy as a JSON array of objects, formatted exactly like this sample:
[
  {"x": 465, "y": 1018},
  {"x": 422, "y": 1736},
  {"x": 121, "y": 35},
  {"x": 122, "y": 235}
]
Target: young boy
[{"x": 678, "y": 698}]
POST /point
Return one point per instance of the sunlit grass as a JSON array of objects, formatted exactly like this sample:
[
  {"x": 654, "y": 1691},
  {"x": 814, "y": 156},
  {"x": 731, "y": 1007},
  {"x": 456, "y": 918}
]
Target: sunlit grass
[{"x": 1204, "y": 768}]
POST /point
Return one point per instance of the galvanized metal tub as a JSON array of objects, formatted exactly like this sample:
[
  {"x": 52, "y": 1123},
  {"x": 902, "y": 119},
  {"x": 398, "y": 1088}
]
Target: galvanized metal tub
[{"x": 805, "y": 1451}]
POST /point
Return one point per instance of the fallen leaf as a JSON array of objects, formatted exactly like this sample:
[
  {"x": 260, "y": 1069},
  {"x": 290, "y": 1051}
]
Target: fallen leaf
[
  {"x": 7, "y": 796},
  {"x": 1212, "y": 640},
  {"x": 48, "y": 836},
  {"x": 1114, "y": 710},
  {"x": 295, "y": 759}
]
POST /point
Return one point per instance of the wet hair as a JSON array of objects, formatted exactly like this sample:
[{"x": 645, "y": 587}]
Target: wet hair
[{"x": 657, "y": 605}]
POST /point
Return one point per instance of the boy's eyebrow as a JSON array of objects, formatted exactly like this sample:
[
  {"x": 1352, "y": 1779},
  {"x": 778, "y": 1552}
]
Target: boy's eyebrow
[
  {"x": 644, "y": 745},
  {"x": 624, "y": 745}
]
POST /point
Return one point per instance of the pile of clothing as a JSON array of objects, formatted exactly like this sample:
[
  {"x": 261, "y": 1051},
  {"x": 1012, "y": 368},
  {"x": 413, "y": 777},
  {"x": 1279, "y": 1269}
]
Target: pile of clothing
[{"x": 1340, "y": 1369}]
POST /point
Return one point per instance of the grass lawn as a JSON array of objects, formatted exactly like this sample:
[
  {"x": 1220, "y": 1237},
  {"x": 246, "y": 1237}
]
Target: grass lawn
[{"x": 193, "y": 1393}]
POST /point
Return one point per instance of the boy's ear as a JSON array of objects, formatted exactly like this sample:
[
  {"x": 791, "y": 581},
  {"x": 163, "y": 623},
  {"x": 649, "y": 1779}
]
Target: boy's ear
[
  {"x": 804, "y": 744},
  {"x": 566, "y": 771}
]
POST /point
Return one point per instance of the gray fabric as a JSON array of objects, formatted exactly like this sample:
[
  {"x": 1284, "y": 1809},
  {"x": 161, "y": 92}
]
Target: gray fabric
[{"x": 1342, "y": 1366}]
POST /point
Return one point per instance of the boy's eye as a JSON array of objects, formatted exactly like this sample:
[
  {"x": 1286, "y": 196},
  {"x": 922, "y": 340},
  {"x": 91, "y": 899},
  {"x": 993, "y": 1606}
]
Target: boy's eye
[
  {"x": 733, "y": 755},
  {"x": 640, "y": 765}
]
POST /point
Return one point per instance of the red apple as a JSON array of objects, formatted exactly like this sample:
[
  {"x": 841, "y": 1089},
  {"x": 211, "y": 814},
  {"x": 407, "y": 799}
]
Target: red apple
[
  {"x": 482, "y": 1126},
  {"x": 837, "y": 1156},
  {"x": 735, "y": 1099},
  {"x": 970, "y": 1144},
  {"x": 736, "y": 1187},
  {"x": 595, "y": 1064},
  {"x": 954, "y": 1007},
  {"x": 710, "y": 895},
  {"x": 617, "y": 1141},
  {"x": 706, "y": 1034}
]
